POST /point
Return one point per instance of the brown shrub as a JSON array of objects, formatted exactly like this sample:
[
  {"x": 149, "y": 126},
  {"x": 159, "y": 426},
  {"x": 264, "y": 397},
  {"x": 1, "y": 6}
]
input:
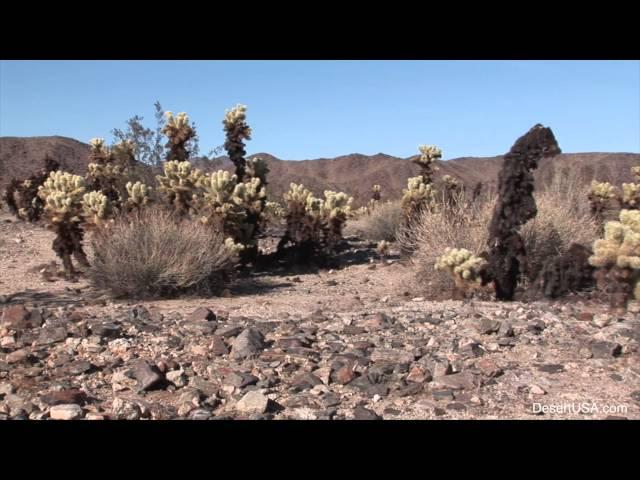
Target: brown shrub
[
  {"x": 153, "y": 253},
  {"x": 381, "y": 224},
  {"x": 563, "y": 218}
]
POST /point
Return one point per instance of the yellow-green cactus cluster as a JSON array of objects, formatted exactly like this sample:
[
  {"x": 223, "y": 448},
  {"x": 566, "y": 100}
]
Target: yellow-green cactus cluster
[
  {"x": 620, "y": 247},
  {"x": 428, "y": 156},
  {"x": 179, "y": 184},
  {"x": 603, "y": 190},
  {"x": 464, "y": 266},
  {"x": 95, "y": 208},
  {"x": 314, "y": 220},
  {"x": 235, "y": 120},
  {"x": 418, "y": 194},
  {"x": 62, "y": 193},
  {"x": 631, "y": 195},
  {"x": 138, "y": 195}
]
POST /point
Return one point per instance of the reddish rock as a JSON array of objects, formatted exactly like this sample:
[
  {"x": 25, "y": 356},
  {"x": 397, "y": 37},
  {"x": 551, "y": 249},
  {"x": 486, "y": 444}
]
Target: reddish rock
[
  {"x": 201, "y": 314},
  {"x": 217, "y": 346},
  {"x": 16, "y": 317},
  {"x": 62, "y": 397},
  {"x": 344, "y": 375},
  {"x": 418, "y": 374}
]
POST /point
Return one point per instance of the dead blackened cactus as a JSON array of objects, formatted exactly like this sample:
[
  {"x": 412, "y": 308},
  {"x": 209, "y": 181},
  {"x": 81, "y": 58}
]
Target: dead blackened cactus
[
  {"x": 179, "y": 133},
  {"x": 22, "y": 196},
  {"x": 62, "y": 194},
  {"x": 617, "y": 258},
  {"x": 237, "y": 131},
  {"x": 515, "y": 206}
]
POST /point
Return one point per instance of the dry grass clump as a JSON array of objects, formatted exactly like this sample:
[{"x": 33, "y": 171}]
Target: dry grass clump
[
  {"x": 153, "y": 253},
  {"x": 563, "y": 218},
  {"x": 381, "y": 224}
]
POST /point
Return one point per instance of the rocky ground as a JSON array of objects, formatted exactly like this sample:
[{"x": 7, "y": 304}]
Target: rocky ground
[{"x": 353, "y": 342}]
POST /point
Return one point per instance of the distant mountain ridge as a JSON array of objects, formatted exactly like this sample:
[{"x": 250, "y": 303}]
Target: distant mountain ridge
[{"x": 354, "y": 173}]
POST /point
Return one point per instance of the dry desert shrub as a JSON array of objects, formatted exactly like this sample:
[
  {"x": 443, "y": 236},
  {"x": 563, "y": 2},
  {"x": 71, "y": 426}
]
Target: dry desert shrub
[
  {"x": 563, "y": 218},
  {"x": 381, "y": 224},
  {"x": 153, "y": 253}
]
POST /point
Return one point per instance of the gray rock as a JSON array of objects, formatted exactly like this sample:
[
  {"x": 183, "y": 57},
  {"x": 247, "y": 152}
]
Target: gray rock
[
  {"x": 203, "y": 386},
  {"x": 19, "y": 356},
  {"x": 79, "y": 367},
  {"x": 201, "y": 314},
  {"x": 487, "y": 326},
  {"x": 6, "y": 389},
  {"x": 177, "y": 377},
  {"x": 200, "y": 414},
  {"x": 52, "y": 335},
  {"x": 228, "y": 331},
  {"x": 605, "y": 349},
  {"x": 551, "y": 368},
  {"x": 69, "y": 411},
  {"x": 253, "y": 402},
  {"x": 148, "y": 376},
  {"x": 456, "y": 381},
  {"x": 122, "y": 409},
  {"x": 217, "y": 346},
  {"x": 240, "y": 379},
  {"x": 391, "y": 355},
  {"x": 248, "y": 344},
  {"x": 106, "y": 330},
  {"x": 361, "y": 413}
]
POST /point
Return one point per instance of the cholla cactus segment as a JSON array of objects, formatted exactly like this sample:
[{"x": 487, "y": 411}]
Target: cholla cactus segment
[
  {"x": 138, "y": 194},
  {"x": 179, "y": 132},
  {"x": 428, "y": 156},
  {"x": 603, "y": 190},
  {"x": 631, "y": 195},
  {"x": 375, "y": 189},
  {"x": 383, "y": 247},
  {"x": 235, "y": 122},
  {"x": 448, "y": 180},
  {"x": 617, "y": 256},
  {"x": 462, "y": 264},
  {"x": 179, "y": 184},
  {"x": 417, "y": 194},
  {"x": 257, "y": 168},
  {"x": 62, "y": 193},
  {"x": 95, "y": 207},
  {"x": 233, "y": 247},
  {"x": 274, "y": 209},
  {"x": 336, "y": 204},
  {"x": 636, "y": 172}
]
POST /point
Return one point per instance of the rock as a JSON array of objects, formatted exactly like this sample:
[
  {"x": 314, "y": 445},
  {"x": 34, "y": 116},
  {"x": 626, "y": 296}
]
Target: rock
[
  {"x": 411, "y": 389},
  {"x": 228, "y": 331},
  {"x": 200, "y": 414},
  {"x": 605, "y": 349},
  {"x": 122, "y": 409},
  {"x": 487, "y": 326},
  {"x": 79, "y": 367},
  {"x": 635, "y": 396},
  {"x": 17, "y": 317},
  {"x": 442, "y": 395},
  {"x": 19, "y": 356},
  {"x": 456, "y": 381},
  {"x": 536, "y": 326},
  {"x": 488, "y": 367},
  {"x": 217, "y": 346},
  {"x": 177, "y": 377},
  {"x": 253, "y": 402},
  {"x": 240, "y": 379},
  {"x": 505, "y": 330},
  {"x": 203, "y": 386},
  {"x": 391, "y": 355},
  {"x": 93, "y": 416},
  {"x": 148, "y": 376},
  {"x": 537, "y": 390},
  {"x": 52, "y": 335},
  {"x": 248, "y": 344},
  {"x": 305, "y": 381},
  {"x": 343, "y": 375},
  {"x": 106, "y": 330},
  {"x": 471, "y": 350},
  {"x": 6, "y": 389},
  {"x": 551, "y": 368},
  {"x": 440, "y": 368},
  {"x": 418, "y": 374},
  {"x": 69, "y": 411},
  {"x": 378, "y": 322},
  {"x": 353, "y": 330},
  {"x": 361, "y": 413},
  {"x": 65, "y": 397},
  {"x": 201, "y": 314}
]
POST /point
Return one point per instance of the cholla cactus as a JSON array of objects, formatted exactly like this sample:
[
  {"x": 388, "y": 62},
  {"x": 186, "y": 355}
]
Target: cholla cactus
[
  {"x": 237, "y": 131},
  {"x": 179, "y": 132},
  {"x": 464, "y": 267},
  {"x": 63, "y": 195},
  {"x": 95, "y": 208},
  {"x": 138, "y": 195},
  {"x": 98, "y": 151},
  {"x": 600, "y": 195},
  {"x": 631, "y": 195},
  {"x": 383, "y": 248},
  {"x": 617, "y": 258},
  {"x": 257, "y": 168},
  {"x": 428, "y": 156},
  {"x": 274, "y": 209},
  {"x": 178, "y": 185},
  {"x": 417, "y": 195},
  {"x": 375, "y": 193},
  {"x": 314, "y": 225},
  {"x": 109, "y": 169}
]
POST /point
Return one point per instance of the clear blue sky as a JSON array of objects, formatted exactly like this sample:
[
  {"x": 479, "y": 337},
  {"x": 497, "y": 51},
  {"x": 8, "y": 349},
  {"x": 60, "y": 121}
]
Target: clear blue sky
[{"x": 310, "y": 109}]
